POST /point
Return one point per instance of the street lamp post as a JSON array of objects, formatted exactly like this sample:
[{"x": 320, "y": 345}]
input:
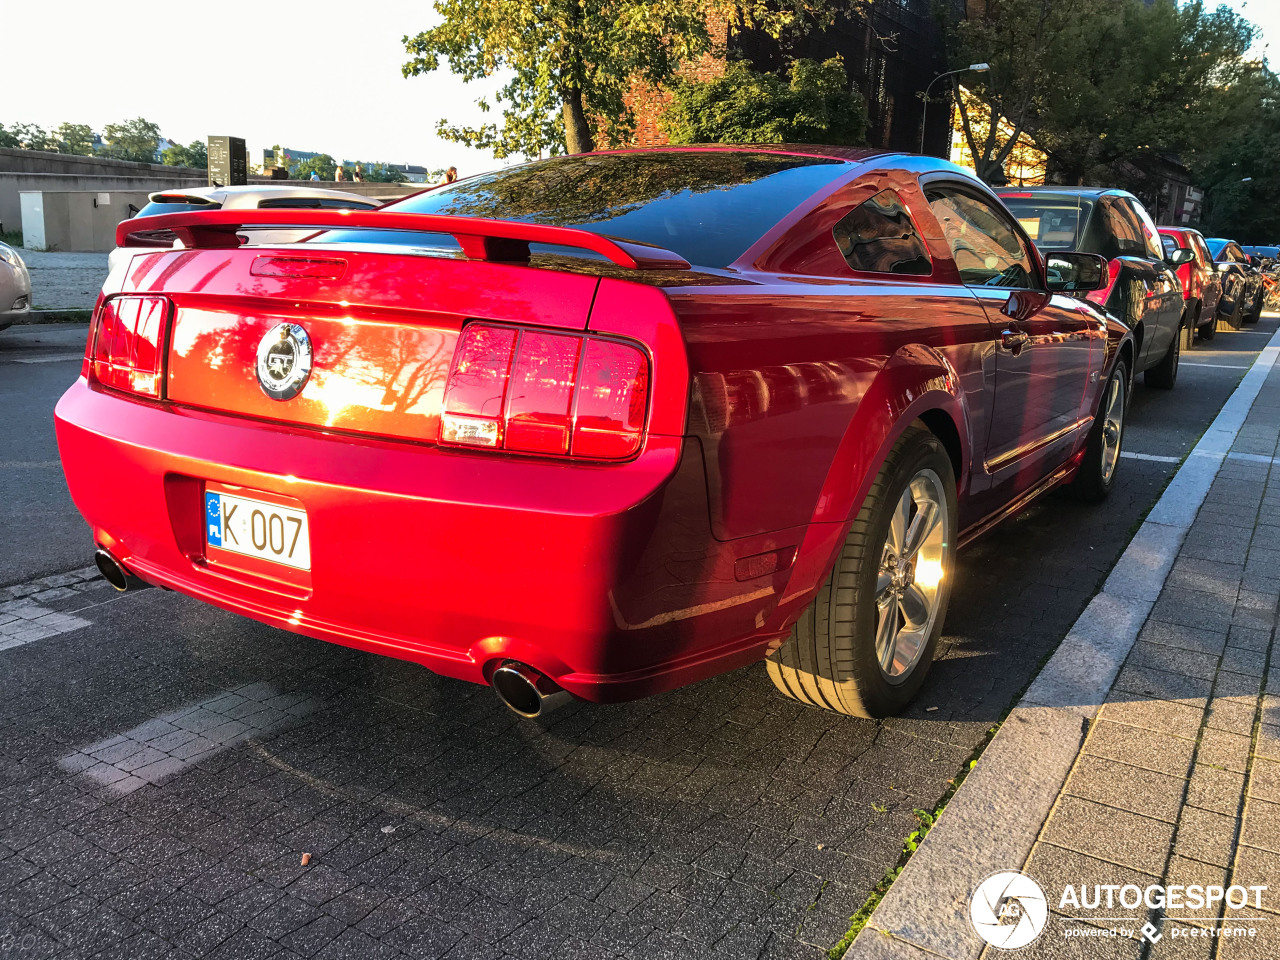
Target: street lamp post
[{"x": 924, "y": 114}]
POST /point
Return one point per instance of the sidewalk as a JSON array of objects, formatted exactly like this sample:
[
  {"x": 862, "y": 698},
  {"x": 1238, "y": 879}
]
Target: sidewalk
[{"x": 1138, "y": 781}]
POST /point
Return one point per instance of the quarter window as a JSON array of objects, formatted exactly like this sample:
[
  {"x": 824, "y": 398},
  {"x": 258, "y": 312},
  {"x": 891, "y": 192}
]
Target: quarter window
[
  {"x": 1125, "y": 230},
  {"x": 1148, "y": 228},
  {"x": 986, "y": 248},
  {"x": 877, "y": 236}
]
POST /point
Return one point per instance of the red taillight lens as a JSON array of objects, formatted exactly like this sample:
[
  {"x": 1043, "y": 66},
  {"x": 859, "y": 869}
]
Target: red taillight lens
[
  {"x": 531, "y": 391},
  {"x": 613, "y": 391},
  {"x": 128, "y": 344}
]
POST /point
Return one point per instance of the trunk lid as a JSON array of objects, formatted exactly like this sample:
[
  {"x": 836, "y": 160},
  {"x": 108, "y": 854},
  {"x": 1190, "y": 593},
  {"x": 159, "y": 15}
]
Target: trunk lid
[{"x": 381, "y": 326}]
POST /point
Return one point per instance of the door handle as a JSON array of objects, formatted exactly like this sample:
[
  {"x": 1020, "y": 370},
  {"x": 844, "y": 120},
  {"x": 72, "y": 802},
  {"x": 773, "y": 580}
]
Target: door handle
[{"x": 1013, "y": 340}]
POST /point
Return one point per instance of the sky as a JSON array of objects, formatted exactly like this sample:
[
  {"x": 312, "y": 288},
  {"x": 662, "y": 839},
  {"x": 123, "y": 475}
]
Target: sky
[{"x": 315, "y": 75}]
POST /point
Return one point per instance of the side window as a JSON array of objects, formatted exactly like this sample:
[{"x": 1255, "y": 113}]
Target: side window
[
  {"x": 1150, "y": 234},
  {"x": 1202, "y": 248},
  {"x": 987, "y": 249},
  {"x": 1125, "y": 229},
  {"x": 1170, "y": 245},
  {"x": 877, "y": 236}
]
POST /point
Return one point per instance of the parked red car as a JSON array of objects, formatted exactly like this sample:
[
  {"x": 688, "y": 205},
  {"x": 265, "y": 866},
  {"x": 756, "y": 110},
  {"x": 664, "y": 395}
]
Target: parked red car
[
  {"x": 1189, "y": 256},
  {"x": 675, "y": 411}
]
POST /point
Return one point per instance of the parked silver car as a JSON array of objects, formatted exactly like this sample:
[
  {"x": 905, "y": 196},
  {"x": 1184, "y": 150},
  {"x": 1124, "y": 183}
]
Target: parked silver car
[
  {"x": 253, "y": 197},
  {"x": 15, "y": 286}
]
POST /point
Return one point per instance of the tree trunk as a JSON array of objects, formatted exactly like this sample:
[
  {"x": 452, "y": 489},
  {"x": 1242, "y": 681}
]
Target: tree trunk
[{"x": 577, "y": 133}]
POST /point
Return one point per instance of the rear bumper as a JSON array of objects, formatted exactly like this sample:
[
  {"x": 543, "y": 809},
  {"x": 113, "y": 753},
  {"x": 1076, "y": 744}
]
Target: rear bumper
[{"x": 604, "y": 578}]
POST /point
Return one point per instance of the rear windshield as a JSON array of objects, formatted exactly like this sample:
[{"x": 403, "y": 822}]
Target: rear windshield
[
  {"x": 156, "y": 208},
  {"x": 1052, "y": 223},
  {"x": 707, "y": 206}
]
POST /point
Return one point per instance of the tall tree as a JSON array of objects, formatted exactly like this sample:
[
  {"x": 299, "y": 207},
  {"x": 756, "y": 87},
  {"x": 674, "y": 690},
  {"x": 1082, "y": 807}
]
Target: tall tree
[
  {"x": 136, "y": 140},
  {"x": 195, "y": 154},
  {"x": 573, "y": 61},
  {"x": 742, "y": 105},
  {"x": 1036, "y": 48},
  {"x": 74, "y": 138},
  {"x": 323, "y": 164}
]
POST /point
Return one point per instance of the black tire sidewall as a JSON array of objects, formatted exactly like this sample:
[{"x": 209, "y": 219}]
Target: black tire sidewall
[{"x": 882, "y": 697}]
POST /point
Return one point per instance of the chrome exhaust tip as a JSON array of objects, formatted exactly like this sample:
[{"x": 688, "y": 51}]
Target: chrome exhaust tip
[
  {"x": 525, "y": 691},
  {"x": 116, "y": 574}
]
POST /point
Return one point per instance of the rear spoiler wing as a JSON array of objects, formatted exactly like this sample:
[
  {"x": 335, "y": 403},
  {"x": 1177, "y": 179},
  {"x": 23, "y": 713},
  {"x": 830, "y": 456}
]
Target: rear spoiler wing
[{"x": 480, "y": 238}]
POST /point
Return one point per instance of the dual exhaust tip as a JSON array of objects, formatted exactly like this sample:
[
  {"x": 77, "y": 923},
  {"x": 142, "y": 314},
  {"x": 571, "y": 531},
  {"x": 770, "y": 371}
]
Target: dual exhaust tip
[
  {"x": 522, "y": 689},
  {"x": 525, "y": 691},
  {"x": 116, "y": 573}
]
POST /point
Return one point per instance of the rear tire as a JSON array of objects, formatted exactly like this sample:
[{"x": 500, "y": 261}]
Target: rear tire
[
  {"x": 1097, "y": 473},
  {"x": 1165, "y": 373},
  {"x": 1255, "y": 312},
  {"x": 865, "y": 644}
]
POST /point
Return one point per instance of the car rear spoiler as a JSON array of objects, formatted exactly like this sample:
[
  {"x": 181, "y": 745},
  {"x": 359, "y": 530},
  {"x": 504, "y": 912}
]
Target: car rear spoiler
[{"x": 480, "y": 238}]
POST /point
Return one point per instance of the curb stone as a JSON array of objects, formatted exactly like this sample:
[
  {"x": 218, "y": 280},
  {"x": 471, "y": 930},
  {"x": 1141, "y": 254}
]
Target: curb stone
[{"x": 54, "y": 316}]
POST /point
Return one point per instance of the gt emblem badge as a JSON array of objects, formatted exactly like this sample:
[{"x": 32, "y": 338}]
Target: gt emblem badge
[{"x": 284, "y": 361}]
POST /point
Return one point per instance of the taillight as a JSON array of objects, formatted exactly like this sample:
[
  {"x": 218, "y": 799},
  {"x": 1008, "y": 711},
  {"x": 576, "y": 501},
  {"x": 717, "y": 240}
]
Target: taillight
[
  {"x": 128, "y": 344},
  {"x": 533, "y": 391}
]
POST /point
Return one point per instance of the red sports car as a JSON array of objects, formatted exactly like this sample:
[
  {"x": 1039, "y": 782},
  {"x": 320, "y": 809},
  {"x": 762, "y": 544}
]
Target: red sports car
[{"x": 600, "y": 425}]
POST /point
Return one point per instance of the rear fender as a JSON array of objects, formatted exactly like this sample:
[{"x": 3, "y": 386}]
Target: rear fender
[{"x": 915, "y": 381}]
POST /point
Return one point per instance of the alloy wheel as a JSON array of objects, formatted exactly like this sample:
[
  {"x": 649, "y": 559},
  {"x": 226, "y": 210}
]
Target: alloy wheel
[
  {"x": 1112, "y": 427},
  {"x": 909, "y": 583}
]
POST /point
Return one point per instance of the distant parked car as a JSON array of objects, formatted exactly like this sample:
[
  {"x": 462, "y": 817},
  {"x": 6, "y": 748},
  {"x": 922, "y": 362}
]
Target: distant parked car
[
  {"x": 1189, "y": 255},
  {"x": 291, "y": 196},
  {"x": 15, "y": 286},
  {"x": 1143, "y": 291},
  {"x": 1241, "y": 281}
]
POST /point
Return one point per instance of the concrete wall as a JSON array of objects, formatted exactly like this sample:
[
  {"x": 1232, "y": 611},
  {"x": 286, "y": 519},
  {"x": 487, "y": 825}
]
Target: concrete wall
[{"x": 75, "y": 220}]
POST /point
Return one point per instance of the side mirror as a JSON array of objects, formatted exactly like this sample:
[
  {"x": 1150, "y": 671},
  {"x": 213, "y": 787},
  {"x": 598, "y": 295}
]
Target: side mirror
[
  {"x": 1180, "y": 256},
  {"x": 1224, "y": 266},
  {"x": 1075, "y": 272}
]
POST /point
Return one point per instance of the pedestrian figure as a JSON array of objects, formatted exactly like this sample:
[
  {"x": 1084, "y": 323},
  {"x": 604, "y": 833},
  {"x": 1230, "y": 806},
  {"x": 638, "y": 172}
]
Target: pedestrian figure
[
  {"x": 450, "y": 176},
  {"x": 338, "y": 175},
  {"x": 315, "y": 175},
  {"x": 358, "y": 176}
]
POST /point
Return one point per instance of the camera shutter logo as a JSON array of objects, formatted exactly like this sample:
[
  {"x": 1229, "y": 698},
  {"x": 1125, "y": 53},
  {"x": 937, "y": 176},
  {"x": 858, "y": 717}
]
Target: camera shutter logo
[
  {"x": 284, "y": 361},
  {"x": 1008, "y": 910}
]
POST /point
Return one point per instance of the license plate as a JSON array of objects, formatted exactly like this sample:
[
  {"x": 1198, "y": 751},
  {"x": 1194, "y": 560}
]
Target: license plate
[{"x": 267, "y": 531}]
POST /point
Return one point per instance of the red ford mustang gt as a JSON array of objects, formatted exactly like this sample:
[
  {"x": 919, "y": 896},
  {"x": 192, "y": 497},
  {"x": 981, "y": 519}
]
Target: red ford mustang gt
[{"x": 601, "y": 425}]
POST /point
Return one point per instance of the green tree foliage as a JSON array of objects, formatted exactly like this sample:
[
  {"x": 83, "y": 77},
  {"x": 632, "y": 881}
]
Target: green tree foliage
[
  {"x": 195, "y": 154},
  {"x": 26, "y": 136},
  {"x": 573, "y": 61},
  {"x": 745, "y": 106},
  {"x": 1037, "y": 49},
  {"x": 74, "y": 138},
  {"x": 1114, "y": 89},
  {"x": 381, "y": 173},
  {"x": 135, "y": 140},
  {"x": 321, "y": 163},
  {"x": 1240, "y": 167}
]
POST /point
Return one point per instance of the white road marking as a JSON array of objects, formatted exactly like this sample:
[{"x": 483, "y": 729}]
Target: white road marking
[
  {"x": 1129, "y": 455},
  {"x": 1216, "y": 366},
  {"x": 58, "y": 359}
]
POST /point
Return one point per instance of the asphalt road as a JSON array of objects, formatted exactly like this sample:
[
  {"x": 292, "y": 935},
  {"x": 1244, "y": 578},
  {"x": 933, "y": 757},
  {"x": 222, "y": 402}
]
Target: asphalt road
[{"x": 164, "y": 765}]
